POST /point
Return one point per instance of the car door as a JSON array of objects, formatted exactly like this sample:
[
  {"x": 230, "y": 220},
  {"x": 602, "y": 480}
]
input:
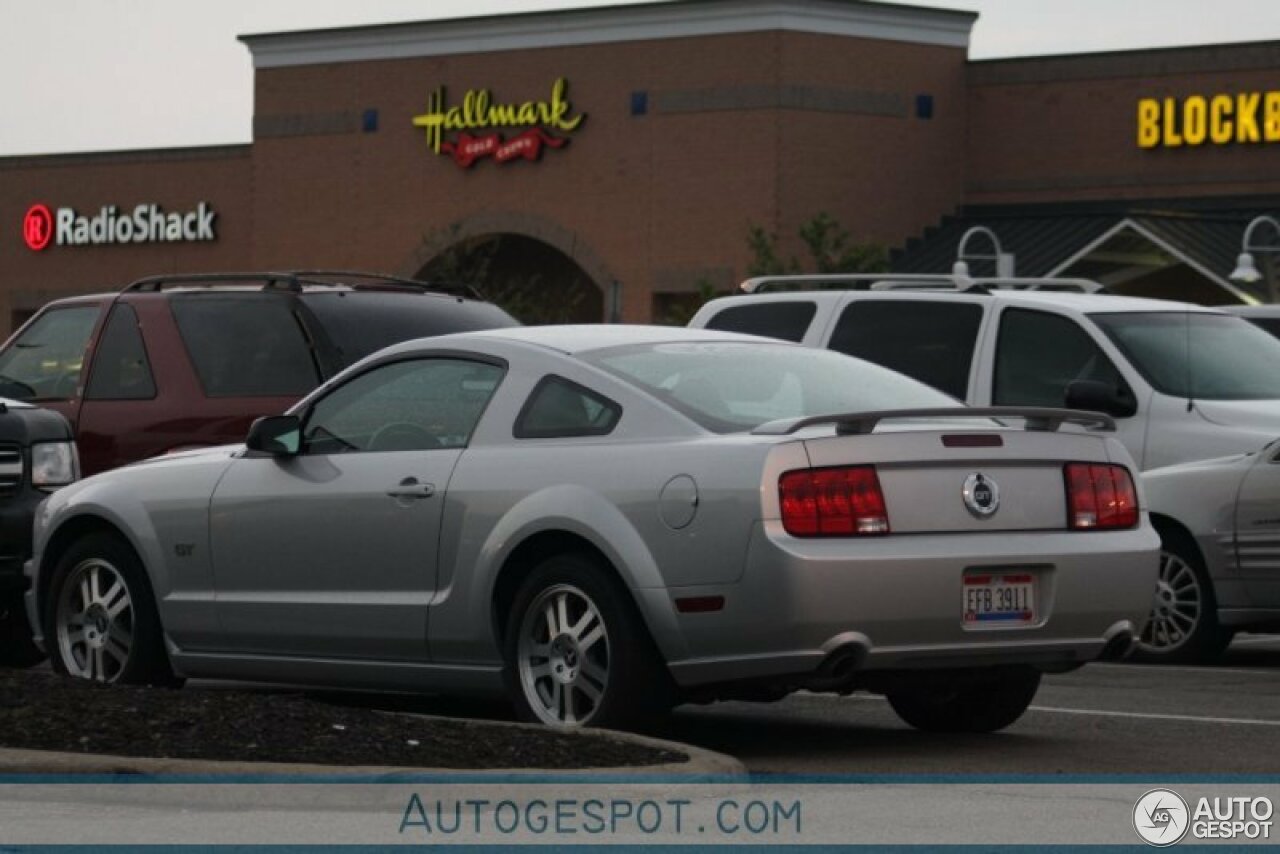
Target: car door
[
  {"x": 332, "y": 553},
  {"x": 1258, "y": 529}
]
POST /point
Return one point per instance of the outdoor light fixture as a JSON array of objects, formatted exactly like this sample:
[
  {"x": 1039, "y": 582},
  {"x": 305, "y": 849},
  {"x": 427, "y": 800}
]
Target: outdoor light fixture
[
  {"x": 1246, "y": 270},
  {"x": 1003, "y": 260}
]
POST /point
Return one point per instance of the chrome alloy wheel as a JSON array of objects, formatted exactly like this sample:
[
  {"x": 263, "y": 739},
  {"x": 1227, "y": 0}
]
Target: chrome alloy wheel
[
  {"x": 563, "y": 656},
  {"x": 1177, "y": 607},
  {"x": 94, "y": 622}
]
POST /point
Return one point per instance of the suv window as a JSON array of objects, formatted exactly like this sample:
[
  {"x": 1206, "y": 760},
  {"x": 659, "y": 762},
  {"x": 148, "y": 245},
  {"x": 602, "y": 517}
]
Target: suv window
[
  {"x": 245, "y": 345},
  {"x": 121, "y": 370},
  {"x": 44, "y": 362},
  {"x": 932, "y": 342},
  {"x": 786, "y": 320},
  {"x": 560, "y": 408},
  {"x": 1038, "y": 354},
  {"x": 358, "y": 323},
  {"x": 414, "y": 405}
]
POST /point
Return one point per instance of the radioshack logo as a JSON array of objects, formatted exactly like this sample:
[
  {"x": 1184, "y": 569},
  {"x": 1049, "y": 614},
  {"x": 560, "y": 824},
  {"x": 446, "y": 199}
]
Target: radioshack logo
[{"x": 146, "y": 223}]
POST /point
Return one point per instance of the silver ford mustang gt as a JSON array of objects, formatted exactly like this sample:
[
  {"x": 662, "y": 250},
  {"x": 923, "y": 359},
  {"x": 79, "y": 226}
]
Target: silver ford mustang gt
[{"x": 607, "y": 520}]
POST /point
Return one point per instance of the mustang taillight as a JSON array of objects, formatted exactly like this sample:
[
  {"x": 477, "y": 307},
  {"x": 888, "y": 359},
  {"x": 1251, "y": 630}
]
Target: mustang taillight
[
  {"x": 832, "y": 502},
  {"x": 1099, "y": 497}
]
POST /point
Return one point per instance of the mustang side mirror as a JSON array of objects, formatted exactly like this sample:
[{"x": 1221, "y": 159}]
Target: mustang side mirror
[
  {"x": 1099, "y": 397},
  {"x": 278, "y": 435}
]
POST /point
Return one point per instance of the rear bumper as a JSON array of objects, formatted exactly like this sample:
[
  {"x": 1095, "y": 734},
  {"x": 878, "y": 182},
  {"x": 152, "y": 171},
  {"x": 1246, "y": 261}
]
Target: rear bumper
[{"x": 895, "y": 603}]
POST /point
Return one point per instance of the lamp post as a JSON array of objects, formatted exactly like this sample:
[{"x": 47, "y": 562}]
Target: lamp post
[
  {"x": 1002, "y": 259},
  {"x": 1246, "y": 270}
]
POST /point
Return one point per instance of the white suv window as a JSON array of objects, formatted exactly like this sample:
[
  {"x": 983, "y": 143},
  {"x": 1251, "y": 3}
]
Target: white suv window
[{"x": 1038, "y": 354}]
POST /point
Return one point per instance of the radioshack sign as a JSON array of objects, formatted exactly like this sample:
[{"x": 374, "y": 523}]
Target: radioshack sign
[{"x": 43, "y": 227}]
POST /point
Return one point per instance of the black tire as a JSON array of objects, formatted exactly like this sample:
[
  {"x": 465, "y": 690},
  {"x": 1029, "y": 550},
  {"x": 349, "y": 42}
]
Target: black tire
[
  {"x": 145, "y": 661},
  {"x": 1167, "y": 638},
  {"x": 985, "y": 706},
  {"x": 637, "y": 687},
  {"x": 17, "y": 649}
]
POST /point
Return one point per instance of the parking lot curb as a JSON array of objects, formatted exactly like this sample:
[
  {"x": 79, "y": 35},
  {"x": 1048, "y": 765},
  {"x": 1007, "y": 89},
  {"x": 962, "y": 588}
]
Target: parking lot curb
[{"x": 702, "y": 763}]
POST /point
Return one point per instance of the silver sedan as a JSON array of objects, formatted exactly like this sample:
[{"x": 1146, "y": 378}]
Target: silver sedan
[
  {"x": 607, "y": 520},
  {"x": 1219, "y": 524}
]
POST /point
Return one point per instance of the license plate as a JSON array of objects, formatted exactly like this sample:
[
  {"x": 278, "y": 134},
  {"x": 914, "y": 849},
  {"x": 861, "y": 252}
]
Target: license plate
[{"x": 999, "y": 599}]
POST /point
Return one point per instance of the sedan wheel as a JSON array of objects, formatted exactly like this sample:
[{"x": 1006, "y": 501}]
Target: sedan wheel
[
  {"x": 94, "y": 622},
  {"x": 1183, "y": 624},
  {"x": 564, "y": 656},
  {"x": 101, "y": 616},
  {"x": 577, "y": 651}
]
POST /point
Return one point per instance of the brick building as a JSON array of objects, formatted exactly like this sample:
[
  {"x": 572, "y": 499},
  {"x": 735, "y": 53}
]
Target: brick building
[{"x": 615, "y": 158}]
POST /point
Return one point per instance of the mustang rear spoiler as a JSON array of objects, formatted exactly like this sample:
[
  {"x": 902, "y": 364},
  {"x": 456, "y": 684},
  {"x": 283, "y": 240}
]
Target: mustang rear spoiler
[{"x": 860, "y": 423}]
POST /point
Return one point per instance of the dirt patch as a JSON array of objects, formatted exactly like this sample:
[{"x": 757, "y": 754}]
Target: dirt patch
[{"x": 41, "y": 711}]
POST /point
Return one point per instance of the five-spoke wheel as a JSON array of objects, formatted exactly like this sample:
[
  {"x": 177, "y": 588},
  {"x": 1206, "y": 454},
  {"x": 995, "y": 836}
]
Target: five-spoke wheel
[
  {"x": 100, "y": 615},
  {"x": 577, "y": 651}
]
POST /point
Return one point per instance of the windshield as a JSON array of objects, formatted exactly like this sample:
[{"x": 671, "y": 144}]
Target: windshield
[
  {"x": 729, "y": 386},
  {"x": 1198, "y": 355}
]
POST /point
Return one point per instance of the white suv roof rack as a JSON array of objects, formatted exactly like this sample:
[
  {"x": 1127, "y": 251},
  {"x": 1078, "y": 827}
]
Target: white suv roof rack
[{"x": 914, "y": 282}]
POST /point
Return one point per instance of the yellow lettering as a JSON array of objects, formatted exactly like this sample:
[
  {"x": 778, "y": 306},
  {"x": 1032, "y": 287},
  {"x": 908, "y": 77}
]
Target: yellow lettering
[
  {"x": 527, "y": 114},
  {"x": 1194, "y": 120},
  {"x": 1148, "y": 123},
  {"x": 1171, "y": 137},
  {"x": 561, "y": 106},
  {"x": 478, "y": 111},
  {"x": 1221, "y": 129},
  {"x": 1247, "y": 116},
  {"x": 1271, "y": 122},
  {"x": 502, "y": 115}
]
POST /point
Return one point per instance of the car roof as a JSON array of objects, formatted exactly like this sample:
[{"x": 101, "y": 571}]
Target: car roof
[
  {"x": 1084, "y": 303},
  {"x": 586, "y": 337}
]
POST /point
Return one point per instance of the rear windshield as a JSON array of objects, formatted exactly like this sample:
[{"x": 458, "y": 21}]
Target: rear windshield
[
  {"x": 358, "y": 323},
  {"x": 1198, "y": 355},
  {"x": 729, "y": 387}
]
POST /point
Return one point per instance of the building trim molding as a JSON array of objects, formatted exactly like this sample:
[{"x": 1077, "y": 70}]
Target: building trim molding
[{"x": 573, "y": 27}]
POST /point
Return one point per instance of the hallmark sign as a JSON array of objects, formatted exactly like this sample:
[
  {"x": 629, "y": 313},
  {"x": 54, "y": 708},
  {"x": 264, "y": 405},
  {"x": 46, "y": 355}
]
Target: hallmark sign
[{"x": 481, "y": 127}]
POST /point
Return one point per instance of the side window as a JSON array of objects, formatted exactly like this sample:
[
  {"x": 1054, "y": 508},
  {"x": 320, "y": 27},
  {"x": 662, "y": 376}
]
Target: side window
[
  {"x": 786, "y": 320},
  {"x": 932, "y": 342},
  {"x": 45, "y": 362},
  {"x": 121, "y": 370},
  {"x": 245, "y": 345},
  {"x": 559, "y": 408},
  {"x": 415, "y": 405},
  {"x": 1038, "y": 354}
]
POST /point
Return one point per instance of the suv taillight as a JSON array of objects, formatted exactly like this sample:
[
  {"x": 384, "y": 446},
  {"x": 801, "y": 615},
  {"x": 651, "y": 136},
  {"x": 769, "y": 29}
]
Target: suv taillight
[
  {"x": 832, "y": 502},
  {"x": 1099, "y": 497}
]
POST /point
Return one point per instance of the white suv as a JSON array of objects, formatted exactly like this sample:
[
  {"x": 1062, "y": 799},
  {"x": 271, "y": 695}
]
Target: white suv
[{"x": 1183, "y": 381}]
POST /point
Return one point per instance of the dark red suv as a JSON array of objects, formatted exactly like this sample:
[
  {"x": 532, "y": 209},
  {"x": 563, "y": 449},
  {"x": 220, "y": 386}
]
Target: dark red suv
[{"x": 186, "y": 361}]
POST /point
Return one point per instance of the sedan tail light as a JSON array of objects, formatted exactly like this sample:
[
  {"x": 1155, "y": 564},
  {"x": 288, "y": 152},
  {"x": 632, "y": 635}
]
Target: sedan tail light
[
  {"x": 833, "y": 502},
  {"x": 1099, "y": 497}
]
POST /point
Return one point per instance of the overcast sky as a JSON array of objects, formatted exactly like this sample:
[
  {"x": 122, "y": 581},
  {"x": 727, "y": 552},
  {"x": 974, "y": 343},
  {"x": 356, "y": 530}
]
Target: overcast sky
[{"x": 85, "y": 75}]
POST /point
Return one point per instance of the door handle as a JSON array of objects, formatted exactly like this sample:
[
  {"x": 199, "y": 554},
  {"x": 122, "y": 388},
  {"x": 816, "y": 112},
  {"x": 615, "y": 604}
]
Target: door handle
[{"x": 410, "y": 488}]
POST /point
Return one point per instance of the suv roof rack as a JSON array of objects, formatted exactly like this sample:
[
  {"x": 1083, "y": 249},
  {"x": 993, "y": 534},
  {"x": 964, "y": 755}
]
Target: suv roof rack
[
  {"x": 914, "y": 282},
  {"x": 296, "y": 280}
]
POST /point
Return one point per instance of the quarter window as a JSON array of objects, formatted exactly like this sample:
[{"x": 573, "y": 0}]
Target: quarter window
[
  {"x": 785, "y": 320},
  {"x": 561, "y": 408},
  {"x": 121, "y": 370},
  {"x": 414, "y": 405},
  {"x": 45, "y": 362},
  {"x": 1039, "y": 354},
  {"x": 932, "y": 342},
  {"x": 245, "y": 345}
]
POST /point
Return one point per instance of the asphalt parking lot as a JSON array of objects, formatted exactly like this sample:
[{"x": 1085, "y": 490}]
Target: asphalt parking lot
[
  {"x": 1102, "y": 719},
  {"x": 1105, "y": 718}
]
